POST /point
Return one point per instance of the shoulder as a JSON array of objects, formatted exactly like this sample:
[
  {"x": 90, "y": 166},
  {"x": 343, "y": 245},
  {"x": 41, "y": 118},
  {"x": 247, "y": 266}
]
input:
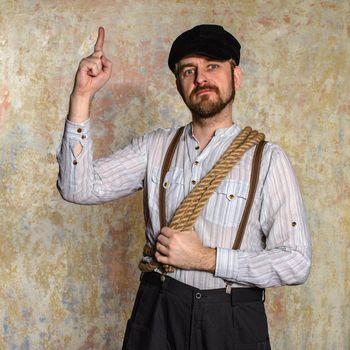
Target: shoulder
[
  {"x": 271, "y": 153},
  {"x": 276, "y": 164},
  {"x": 161, "y": 136},
  {"x": 155, "y": 141},
  {"x": 274, "y": 153},
  {"x": 166, "y": 132}
]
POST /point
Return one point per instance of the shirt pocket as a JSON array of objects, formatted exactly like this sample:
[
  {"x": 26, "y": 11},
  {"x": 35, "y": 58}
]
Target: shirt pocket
[
  {"x": 226, "y": 204},
  {"x": 174, "y": 187}
]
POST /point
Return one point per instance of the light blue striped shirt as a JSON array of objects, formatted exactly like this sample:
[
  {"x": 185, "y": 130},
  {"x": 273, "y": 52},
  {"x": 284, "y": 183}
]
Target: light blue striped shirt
[{"x": 276, "y": 249}]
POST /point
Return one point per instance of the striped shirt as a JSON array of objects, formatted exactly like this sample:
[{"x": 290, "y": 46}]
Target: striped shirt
[{"x": 276, "y": 248}]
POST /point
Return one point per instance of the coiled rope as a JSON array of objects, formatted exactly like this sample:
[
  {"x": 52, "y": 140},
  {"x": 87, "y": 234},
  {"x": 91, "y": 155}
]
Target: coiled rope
[{"x": 190, "y": 208}]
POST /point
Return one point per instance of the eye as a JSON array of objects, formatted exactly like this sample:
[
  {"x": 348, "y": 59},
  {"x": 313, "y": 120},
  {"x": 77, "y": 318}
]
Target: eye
[
  {"x": 213, "y": 66},
  {"x": 188, "y": 72}
]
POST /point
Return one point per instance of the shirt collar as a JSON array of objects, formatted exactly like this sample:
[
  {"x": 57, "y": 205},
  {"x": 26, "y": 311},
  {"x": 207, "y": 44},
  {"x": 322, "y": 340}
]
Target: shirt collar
[{"x": 233, "y": 130}]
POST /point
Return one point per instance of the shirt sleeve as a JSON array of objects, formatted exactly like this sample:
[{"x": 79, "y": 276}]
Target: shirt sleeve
[
  {"x": 286, "y": 259},
  {"x": 86, "y": 181}
]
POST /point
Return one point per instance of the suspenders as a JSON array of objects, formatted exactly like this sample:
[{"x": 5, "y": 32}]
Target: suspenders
[
  {"x": 255, "y": 139},
  {"x": 254, "y": 177}
]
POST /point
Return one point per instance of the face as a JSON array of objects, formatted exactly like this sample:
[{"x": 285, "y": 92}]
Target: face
[{"x": 207, "y": 86}]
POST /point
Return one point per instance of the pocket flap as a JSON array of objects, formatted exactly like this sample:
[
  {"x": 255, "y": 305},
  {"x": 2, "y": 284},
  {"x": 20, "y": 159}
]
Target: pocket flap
[
  {"x": 174, "y": 175},
  {"x": 233, "y": 189}
]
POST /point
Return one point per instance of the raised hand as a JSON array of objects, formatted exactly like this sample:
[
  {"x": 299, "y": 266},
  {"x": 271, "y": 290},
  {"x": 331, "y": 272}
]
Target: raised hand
[{"x": 94, "y": 71}]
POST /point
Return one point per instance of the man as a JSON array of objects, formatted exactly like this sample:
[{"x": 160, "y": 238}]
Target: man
[{"x": 192, "y": 307}]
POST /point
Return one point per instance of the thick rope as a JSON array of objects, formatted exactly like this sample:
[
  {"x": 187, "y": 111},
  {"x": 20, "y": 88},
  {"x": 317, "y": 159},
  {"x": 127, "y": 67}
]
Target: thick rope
[{"x": 190, "y": 208}]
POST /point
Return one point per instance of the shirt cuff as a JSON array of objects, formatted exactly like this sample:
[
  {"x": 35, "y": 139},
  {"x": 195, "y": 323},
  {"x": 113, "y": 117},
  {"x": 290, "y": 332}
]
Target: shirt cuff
[
  {"x": 226, "y": 263},
  {"x": 77, "y": 131}
]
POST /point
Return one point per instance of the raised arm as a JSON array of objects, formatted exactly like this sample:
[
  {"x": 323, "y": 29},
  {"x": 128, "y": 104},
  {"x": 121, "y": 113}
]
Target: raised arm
[{"x": 82, "y": 179}]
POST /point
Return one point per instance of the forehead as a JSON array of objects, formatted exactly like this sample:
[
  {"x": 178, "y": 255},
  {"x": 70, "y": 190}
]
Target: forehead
[{"x": 196, "y": 59}]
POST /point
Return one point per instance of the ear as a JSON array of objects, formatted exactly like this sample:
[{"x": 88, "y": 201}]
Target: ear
[
  {"x": 237, "y": 75},
  {"x": 178, "y": 86}
]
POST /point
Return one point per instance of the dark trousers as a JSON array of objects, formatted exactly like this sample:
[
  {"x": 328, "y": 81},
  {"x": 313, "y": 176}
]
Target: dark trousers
[{"x": 170, "y": 315}]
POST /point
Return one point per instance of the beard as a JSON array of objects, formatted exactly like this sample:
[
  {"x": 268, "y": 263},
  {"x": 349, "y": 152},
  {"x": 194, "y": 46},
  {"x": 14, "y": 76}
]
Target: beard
[{"x": 206, "y": 107}]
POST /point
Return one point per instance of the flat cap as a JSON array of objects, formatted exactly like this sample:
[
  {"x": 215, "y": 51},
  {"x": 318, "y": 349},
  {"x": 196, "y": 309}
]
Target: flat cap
[{"x": 209, "y": 40}]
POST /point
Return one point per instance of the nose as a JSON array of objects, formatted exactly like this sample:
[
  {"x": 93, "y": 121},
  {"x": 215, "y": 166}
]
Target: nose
[{"x": 201, "y": 77}]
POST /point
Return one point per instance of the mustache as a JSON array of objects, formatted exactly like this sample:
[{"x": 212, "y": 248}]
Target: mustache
[{"x": 205, "y": 87}]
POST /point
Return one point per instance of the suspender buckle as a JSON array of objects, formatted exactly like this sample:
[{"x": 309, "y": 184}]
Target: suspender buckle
[{"x": 228, "y": 288}]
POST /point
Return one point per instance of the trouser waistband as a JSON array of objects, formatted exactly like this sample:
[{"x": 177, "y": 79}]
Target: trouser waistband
[{"x": 187, "y": 292}]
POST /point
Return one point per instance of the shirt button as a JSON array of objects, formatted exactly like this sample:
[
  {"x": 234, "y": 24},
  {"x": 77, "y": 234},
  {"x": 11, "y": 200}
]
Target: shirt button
[
  {"x": 166, "y": 184},
  {"x": 83, "y": 137},
  {"x": 198, "y": 295},
  {"x": 196, "y": 162},
  {"x": 193, "y": 182},
  {"x": 79, "y": 130},
  {"x": 75, "y": 162},
  {"x": 197, "y": 147},
  {"x": 231, "y": 197},
  {"x": 294, "y": 223}
]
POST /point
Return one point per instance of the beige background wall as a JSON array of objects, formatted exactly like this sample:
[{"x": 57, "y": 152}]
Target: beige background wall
[{"x": 67, "y": 272}]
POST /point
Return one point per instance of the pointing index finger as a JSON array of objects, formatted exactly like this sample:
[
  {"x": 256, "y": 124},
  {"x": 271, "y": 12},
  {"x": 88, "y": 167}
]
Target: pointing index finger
[{"x": 100, "y": 39}]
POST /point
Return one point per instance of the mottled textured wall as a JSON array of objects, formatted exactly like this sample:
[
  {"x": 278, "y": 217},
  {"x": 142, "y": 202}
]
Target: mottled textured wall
[{"x": 67, "y": 272}]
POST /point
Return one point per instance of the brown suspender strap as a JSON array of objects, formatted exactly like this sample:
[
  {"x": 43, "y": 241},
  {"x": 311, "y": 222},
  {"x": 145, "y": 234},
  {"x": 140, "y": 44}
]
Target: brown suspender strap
[
  {"x": 166, "y": 165},
  {"x": 149, "y": 251},
  {"x": 254, "y": 177}
]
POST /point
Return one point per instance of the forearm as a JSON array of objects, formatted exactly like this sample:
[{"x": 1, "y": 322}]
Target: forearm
[
  {"x": 268, "y": 268},
  {"x": 75, "y": 178},
  {"x": 79, "y": 108},
  {"x": 207, "y": 260}
]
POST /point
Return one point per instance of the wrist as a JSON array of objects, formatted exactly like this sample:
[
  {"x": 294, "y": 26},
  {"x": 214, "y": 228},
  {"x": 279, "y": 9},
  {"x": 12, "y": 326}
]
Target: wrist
[
  {"x": 208, "y": 259},
  {"x": 80, "y": 100},
  {"x": 81, "y": 96}
]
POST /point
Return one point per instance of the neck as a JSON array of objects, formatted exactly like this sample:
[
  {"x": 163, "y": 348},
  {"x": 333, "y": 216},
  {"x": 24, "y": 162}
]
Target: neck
[{"x": 203, "y": 129}]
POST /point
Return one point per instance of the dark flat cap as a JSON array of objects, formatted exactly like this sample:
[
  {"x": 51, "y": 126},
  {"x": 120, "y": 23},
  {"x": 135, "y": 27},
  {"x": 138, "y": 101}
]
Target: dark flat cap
[{"x": 209, "y": 40}]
